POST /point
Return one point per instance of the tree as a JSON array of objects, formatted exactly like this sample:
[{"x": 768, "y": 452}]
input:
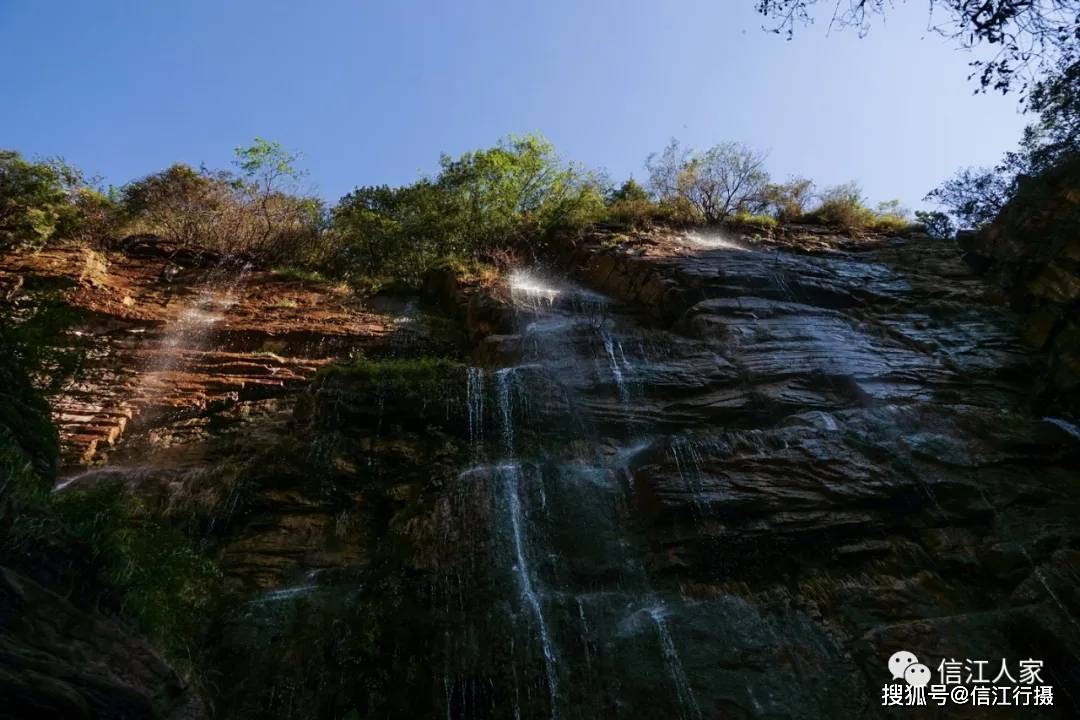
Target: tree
[
  {"x": 34, "y": 197},
  {"x": 631, "y": 205},
  {"x": 517, "y": 188},
  {"x": 843, "y": 207},
  {"x": 974, "y": 196},
  {"x": 629, "y": 191},
  {"x": 938, "y": 225},
  {"x": 480, "y": 203},
  {"x": 892, "y": 208},
  {"x": 1028, "y": 36},
  {"x": 269, "y": 176},
  {"x": 726, "y": 178},
  {"x": 788, "y": 201},
  {"x": 382, "y": 230},
  {"x": 186, "y": 206},
  {"x": 1056, "y": 134}
]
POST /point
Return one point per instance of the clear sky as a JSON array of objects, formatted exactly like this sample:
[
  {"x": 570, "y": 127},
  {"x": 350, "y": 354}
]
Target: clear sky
[{"x": 372, "y": 92}]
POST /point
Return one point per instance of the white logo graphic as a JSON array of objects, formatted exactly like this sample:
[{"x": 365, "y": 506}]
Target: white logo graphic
[
  {"x": 917, "y": 675},
  {"x": 965, "y": 682},
  {"x": 899, "y": 663}
]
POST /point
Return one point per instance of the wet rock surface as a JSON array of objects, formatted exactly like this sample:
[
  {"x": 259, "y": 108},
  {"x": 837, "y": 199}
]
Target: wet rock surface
[{"x": 682, "y": 476}]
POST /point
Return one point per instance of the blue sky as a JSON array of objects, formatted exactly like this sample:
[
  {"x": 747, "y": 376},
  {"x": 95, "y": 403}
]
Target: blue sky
[{"x": 372, "y": 92}]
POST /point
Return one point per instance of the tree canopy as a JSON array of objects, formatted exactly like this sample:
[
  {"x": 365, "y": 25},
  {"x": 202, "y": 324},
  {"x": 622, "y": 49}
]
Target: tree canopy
[
  {"x": 975, "y": 195},
  {"x": 726, "y": 178},
  {"x": 1025, "y": 37}
]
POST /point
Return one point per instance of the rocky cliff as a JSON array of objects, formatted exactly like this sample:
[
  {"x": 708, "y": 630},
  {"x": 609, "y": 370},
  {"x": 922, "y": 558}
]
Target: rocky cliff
[
  {"x": 1032, "y": 251},
  {"x": 663, "y": 475}
]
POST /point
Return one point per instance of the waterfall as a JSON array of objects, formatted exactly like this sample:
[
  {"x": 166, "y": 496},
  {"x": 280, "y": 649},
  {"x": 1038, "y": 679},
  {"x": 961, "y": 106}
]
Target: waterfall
[
  {"x": 613, "y": 363},
  {"x": 194, "y": 324},
  {"x": 505, "y": 379},
  {"x": 688, "y": 707},
  {"x": 560, "y": 504},
  {"x": 512, "y": 477},
  {"x": 475, "y": 400},
  {"x": 687, "y": 455}
]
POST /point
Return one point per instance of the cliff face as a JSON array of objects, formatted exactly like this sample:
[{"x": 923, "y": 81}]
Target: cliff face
[
  {"x": 665, "y": 476},
  {"x": 60, "y": 656},
  {"x": 1032, "y": 250}
]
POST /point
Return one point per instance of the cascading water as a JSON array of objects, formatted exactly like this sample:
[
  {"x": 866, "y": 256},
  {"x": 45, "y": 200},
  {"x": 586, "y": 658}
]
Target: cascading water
[
  {"x": 194, "y": 325},
  {"x": 512, "y": 475},
  {"x": 688, "y": 706},
  {"x": 562, "y": 500}
]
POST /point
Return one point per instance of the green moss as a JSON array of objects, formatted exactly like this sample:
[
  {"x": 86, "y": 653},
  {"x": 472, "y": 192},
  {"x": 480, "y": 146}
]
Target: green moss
[
  {"x": 892, "y": 224},
  {"x": 299, "y": 273},
  {"x": 760, "y": 222},
  {"x": 424, "y": 375},
  {"x": 467, "y": 268},
  {"x": 406, "y": 392}
]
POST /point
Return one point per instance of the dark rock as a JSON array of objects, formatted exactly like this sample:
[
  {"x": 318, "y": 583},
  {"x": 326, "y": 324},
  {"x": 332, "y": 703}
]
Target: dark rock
[{"x": 58, "y": 661}]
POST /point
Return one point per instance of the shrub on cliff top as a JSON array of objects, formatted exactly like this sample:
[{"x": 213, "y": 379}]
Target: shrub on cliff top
[
  {"x": 42, "y": 201},
  {"x": 844, "y": 208},
  {"x": 516, "y": 193},
  {"x": 258, "y": 211},
  {"x": 714, "y": 183}
]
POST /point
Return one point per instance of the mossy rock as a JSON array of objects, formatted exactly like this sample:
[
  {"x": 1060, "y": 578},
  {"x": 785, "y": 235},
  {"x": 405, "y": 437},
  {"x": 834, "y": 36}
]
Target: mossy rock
[{"x": 411, "y": 393}]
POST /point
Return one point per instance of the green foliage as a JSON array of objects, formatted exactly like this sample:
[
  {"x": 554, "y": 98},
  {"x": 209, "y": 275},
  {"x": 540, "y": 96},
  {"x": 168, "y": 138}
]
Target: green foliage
[
  {"x": 975, "y": 196},
  {"x": 891, "y": 218},
  {"x": 765, "y": 223},
  {"x": 1055, "y": 136},
  {"x": 31, "y": 199},
  {"x": 39, "y": 344},
  {"x": 631, "y": 206},
  {"x": 412, "y": 375},
  {"x": 29, "y": 436},
  {"x": 1023, "y": 37},
  {"x": 18, "y": 476},
  {"x": 152, "y": 574},
  {"x": 516, "y": 190},
  {"x": 41, "y": 201},
  {"x": 266, "y": 164},
  {"x": 844, "y": 208},
  {"x": 290, "y": 272},
  {"x": 469, "y": 268},
  {"x": 186, "y": 206},
  {"x": 937, "y": 224},
  {"x": 157, "y": 577},
  {"x": 255, "y": 212},
  {"x": 629, "y": 191},
  {"x": 413, "y": 390},
  {"x": 163, "y": 582},
  {"x": 384, "y": 231},
  {"x": 788, "y": 201},
  {"x": 484, "y": 201},
  {"x": 890, "y": 225}
]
